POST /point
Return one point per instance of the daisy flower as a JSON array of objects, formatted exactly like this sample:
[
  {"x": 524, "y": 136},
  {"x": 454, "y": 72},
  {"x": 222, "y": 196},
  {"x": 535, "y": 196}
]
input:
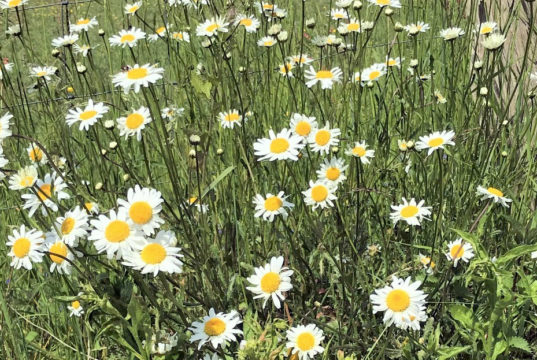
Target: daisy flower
[
  {"x": 75, "y": 309},
  {"x": 71, "y": 227},
  {"x": 270, "y": 281},
  {"x": 250, "y": 23},
  {"x": 434, "y": 141},
  {"x": 391, "y": 62},
  {"x": 51, "y": 187},
  {"x": 193, "y": 201},
  {"x": 338, "y": 14},
  {"x": 332, "y": 171},
  {"x": 43, "y": 72},
  {"x": 131, "y": 9},
  {"x": 87, "y": 117},
  {"x": 326, "y": 77},
  {"x": 159, "y": 33},
  {"x": 302, "y": 125},
  {"x": 401, "y": 302},
  {"x": 151, "y": 256},
  {"x": 494, "y": 194},
  {"x": 267, "y": 41},
  {"x": 114, "y": 234},
  {"x": 493, "y": 41},
  {"x": 305, "y": 341},
  {"x": 353, "y": 25},
  {"x": 137, "y": 77},
  {"x": 8, "y": 66},
  {"x": 26, "y": 247},
  {"x": 287, "y": 69},
  {"x": 134, "y": 123},
  {"x": 360, "y": 151},
  {"x": 36, "y": 154},
  {"x": 212, "y": 27},
  {"x": 487, "y": 27},
  {"x": 5, "y": 130},
  {"x": 451, "y": 33},
  {"x": 271, "y": 205},
  {"x": 281, "y": 146},
  {"x": 143, "y": 206},
  {"x": 60, "y": 255},
  {"x": 411, "y": 212},
  {"x": 181, "y": 36},
  {"x": 440, "y": 99},
  {"x": 11, "y": 4},
  {"x": 382, "y": 3},
  {"x": 374, "y": 72},
  {"x": 357, "y": 77},
  {"x": 127, "y": 37},
  {"x": 229, "y": 119},
  {"x": 83, "y": 24},
  {"x": 457, "y": 250},
  {"x": 24, "y": 178},
  {"x": 320, "y": 194},
  {"x": 404, "y": 145},
  {"x": 216, "y": 329},
  {"x": 427, "y": 263},
  {"x": 320, "y": 140},
  {"x": 171, "y": 112},
  {"x": 195, "y": 3},
  {"x": 303, "y": 59},
  {"x": 67, "y": 40},
  {"x": 162, "y": 342},
  {"x": 415, "y": 29},
  {"x": 82, "y": 49}
]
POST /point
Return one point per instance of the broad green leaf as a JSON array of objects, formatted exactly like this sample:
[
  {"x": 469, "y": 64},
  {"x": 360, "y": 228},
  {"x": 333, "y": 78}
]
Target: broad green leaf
[
  {"x": 201, "y": 86},
  {"x": 519, "y": 343},
  {"x": 499, "y": 348},
  {"x": 514, "y": 253},
  {"x": 450, "y": 352},
  {"x": 30, "y": 336}
]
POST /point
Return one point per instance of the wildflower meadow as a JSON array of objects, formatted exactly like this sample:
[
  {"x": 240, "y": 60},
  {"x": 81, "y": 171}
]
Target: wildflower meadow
[{"x": 288, "y": 179}]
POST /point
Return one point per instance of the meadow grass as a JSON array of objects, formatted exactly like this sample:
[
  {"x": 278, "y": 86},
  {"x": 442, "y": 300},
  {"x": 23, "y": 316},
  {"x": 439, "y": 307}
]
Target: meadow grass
[{"x": 208, "y": 176}]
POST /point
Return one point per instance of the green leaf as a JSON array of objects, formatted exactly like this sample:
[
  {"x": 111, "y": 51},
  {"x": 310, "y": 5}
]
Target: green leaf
[
  {"x": 519, "y": 343},
  {"x": 514, "y": 253},
  {"x": 30, "y": 336},
  {"x": 499, "y": 348},
  {"x": 201, "y": 86},
  {"x": 533, "y": 292},
  {"x": 219, "y": 178},
  {"x": 449, "y": 352},
  {"x": 462, "y": 314}
]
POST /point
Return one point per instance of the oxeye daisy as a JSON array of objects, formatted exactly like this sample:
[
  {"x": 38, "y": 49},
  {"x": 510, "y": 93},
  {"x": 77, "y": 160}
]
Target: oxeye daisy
[
  {"x": 415, "y": 29},
  {"x": 131, "y": 9},
  {"x": 271, "y": 205},
  {"x": 401, "y": 302},
  {"x": 267, "y": 41},
  {"x": 427, "y": 263},
  {"x": 134, "y": 123},
  {"x": 305, "y": 341},
  {"x": 67, "y": 40},
  {"x": 487, "y": 27},
  {"x": 91, "y": 207},
  {"x": 48, "y": 190},
  {"x": 382, "y": 3},
  {"x": 181, "y": 36},
  {"x": 3, "y": 163},
  {"x": 440, "y": 99},
  {"x": 75, "y": 309},
  {"x": 321, "y": 140},
  {"x": 160, "y": 32},
  {"x": 5, "y": 130},
  {"x": 193, "y": 201},
  {"x": 356, "y": 77},
  {"x": 353, "y": 25},
  {"x": 250, "y": 23},
  {"x": 71, "y": 227},
  {"x": 87, "y": 116},
  {"x": 137, "y": 77},
  {"x": 303, "y": 59},
  {"x": 457, "y": 250},
  {"x": 127, "y": 37},
  {"x": 8, "y": 66},
  {"x": 151, "y": 256},
  {"x": 195, "y": 3},
  {"x": 434, "y": 141},
  {"x": 114, "y": 234},
  {"x": 229, "y": 119},
  {"x": 391, "y": 62},
  {"x": 286, "y": 69},
  {"x": 24, "y": 178},
  {"x": 281, "y": 146},
  {"x": 360, "y": 151},
  {"x": 171, "y": 112},
  {"x": 83, "y": 24},
  {"x": 26, "y": 247},
  {"x": 373, "y": 73},
  {"x": 302, "y": 125},
  {"x": 494, "y": 41},
  {"x": 411, "y": 212},
  {"x": 60, "y": 256},
  {"x": 217, "y": 329},
  {"x": 163, "y": 342},
  {"x": 493, "y": 193},
  {"x": 339, "y": 14},
  {"x": 452, "y": 33},
  {"x": 320, "y": 194},
  {"x": 11, "y": 4},
  {"x": 271, "y": 281},
  {"x": 332, "y": 171},
  {"x": 82, "y": 49},
  {"x": 327, "y": 78},
  {"x": 43, "y": 72},
  {"x": 212, "y": 27},
  {"x": 36, "y": 154},
  {"x": 143, "y": 206}
]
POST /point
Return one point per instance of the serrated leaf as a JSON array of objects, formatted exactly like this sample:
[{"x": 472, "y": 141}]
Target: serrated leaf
[
  {"x": 533, "y": 292},
  {"x": 519, "y": 343}
]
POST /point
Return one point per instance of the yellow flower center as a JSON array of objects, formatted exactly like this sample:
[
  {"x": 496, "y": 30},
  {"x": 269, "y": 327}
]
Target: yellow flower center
[
  {"x": 319, "y": 193},
  {"x": 268, "y": 43},
  {"x": 127, "y": 38},
  {"x": 324, "y": 74},
  {"x": 273, "y": 203},
  {"x": 117, "y": 231},
  {"x": 192, "y": 200},
  {"x": 246, "y": 22},
  {"x": 322, "y": 137},
  {"x": 374, "y": 74},
  {"x": 35, "y": 154},
  {"x": 486, "y": 29},
  {"x": 68, "y": 225},
  {"x": 425, "y": 260},
  {"x": 58, "y": 248},
  {"x": 178, "y": 35},
  {"x": 21, "y": 247},
  {"x": 286, "y": 68},
  {"x": 435, "y": 142},
  {"x": 26, "y": 181},
  {"x": 88, "y": 206},
  {"x": 211, "y": 28},
  {"x": 359, "y": 151},
  {"x": 134, "y": 121},
  {"x": 339, "y": 16},
  {"x": 332, "y": 173},
  {"x": 214, "y": 327},
  {"x": 136, "y": 74},
  {"x": 75, "y": 304},
  {"x": 153, "y": 254},
  {"x": 398, "y": 300},
  {"x": 305, "y": 341},
  {"x": 232, "y": 117},
  {"x": 44, "y": 192},
  {"x": 384, "y": 2},
  {"x": 456, "y": 251},
  {"x": 133, "y": 9},
  {"x": 41, "y": 73},
  {"x": 270, "y": 282},
  {"x": 495, "y": 191},
  {"x": 353, "y": 27},
  {"x": 279, "y": 145},
  {"x": 303, "y": 128},
  {"x": 86, "y": 115},
  {"x": 409, "y": 211},
  {"x": 83, "y": 22},
  {"x": 141, "y": 212},
  {"x": 392, "y": 62},
  {"x": 13, "y": 3},
  {"x": 160, "y": 30}
]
